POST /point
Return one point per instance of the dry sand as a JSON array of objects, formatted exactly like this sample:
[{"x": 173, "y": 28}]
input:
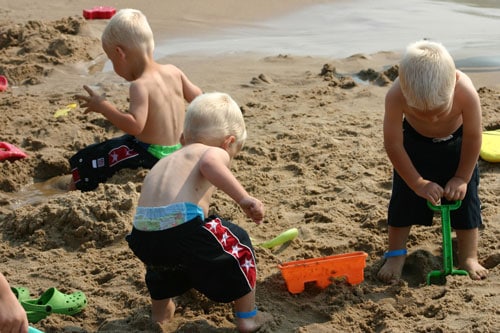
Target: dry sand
[{"x": 314, "y": 157}]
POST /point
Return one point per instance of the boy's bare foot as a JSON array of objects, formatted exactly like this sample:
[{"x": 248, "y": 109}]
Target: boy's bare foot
[
  {"x": 475, "y": 270},
  {"x": 253, "y": 324},
  {"x": 162, "y": 311},
  {"x": 391, "y": 270}
]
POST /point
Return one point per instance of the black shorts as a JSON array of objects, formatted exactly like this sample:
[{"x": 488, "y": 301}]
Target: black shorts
[
  {"x": 435, "y": 160},
  {"x": 213, "y": 256},
  {"x": 96, "y": 163}
]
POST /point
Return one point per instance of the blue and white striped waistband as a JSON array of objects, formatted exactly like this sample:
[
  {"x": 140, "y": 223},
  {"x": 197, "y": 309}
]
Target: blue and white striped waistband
[{"x": 166, "y": 217}]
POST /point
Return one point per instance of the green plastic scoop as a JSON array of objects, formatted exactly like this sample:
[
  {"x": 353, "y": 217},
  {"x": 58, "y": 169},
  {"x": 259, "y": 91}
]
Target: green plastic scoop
[
  {"x": 282, "y": 238},
  {"x": 447, "y": 246}
]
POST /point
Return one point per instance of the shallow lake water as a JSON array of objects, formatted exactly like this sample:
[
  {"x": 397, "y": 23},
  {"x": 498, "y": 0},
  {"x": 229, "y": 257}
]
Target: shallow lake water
[{"x": 469, "y": 29}]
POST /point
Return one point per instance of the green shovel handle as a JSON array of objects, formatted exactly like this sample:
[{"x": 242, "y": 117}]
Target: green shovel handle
[
  {"x": 447, "y": 245},
  {"x": 440, "y": 208}
]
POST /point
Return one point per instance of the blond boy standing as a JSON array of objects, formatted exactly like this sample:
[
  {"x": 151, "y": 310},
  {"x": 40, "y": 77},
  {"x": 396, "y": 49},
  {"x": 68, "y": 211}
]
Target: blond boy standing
[{"x": 432, "y": 135}]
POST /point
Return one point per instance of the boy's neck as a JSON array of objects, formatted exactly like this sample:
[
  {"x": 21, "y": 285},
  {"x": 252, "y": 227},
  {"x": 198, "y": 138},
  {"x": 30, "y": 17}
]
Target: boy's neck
[{"x": 140, "y": 65}]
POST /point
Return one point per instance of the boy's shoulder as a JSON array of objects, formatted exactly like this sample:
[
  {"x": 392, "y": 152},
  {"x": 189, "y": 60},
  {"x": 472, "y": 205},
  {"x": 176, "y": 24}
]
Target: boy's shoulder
[
  {"x": 465, "y": 89},
  {"x": 395, "y": 94},
  {"x": 168, "y": 69},
  {"x": 168, "y": 66},
  {"x": 464, "y": 79}
]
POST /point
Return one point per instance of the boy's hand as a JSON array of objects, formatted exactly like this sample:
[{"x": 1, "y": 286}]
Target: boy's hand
[
  {"x": 430, "y": 191},
  {"x": 455, "y": 189},
  {"x": 93, "y": 102},
  {"x": 253, "y": 208}
]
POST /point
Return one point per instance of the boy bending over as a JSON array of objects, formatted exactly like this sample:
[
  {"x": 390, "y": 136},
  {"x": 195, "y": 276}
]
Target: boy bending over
[
  {"x": 181, "y": 247},
  {"x": 432, "y": 135},
  {"x": 155, "y": 117}
]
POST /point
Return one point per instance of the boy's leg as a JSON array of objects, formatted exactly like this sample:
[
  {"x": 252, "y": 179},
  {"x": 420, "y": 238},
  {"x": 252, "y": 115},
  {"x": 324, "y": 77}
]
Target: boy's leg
[
  {"x": 248, "y": 319},
  {"x": 467, "y": 253},
  {"x": 162, "y": 310},
  {"x": 71, "y": 185},
  {"x": 391, "y": 271}
]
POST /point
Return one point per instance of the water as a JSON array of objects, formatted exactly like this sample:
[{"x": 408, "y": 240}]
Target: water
[{"x": 469, "y": 30}]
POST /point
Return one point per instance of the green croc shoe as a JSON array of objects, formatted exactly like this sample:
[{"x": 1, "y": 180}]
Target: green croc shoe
[
  {"x": 35, "y": 316},
  {"x": 54, "y": 301},
  {"x": 21, "y": 293}
]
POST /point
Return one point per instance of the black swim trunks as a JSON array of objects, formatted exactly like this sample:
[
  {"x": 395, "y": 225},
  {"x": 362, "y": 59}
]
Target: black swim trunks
[
  {"x": 435, "y": 160},
  {"x": 213, "y": 256},
  {"x": 98, "y": 162}
]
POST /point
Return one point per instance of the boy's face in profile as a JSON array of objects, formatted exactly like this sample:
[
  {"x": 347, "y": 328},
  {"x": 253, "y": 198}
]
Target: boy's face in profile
[{"x": 116, "y": 56}]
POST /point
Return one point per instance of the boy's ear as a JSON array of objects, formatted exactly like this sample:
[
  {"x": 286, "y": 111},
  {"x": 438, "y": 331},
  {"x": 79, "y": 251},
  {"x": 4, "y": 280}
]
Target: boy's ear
[
  {"x": 120, "y": 51},
  {"x": 228, "y": 142}
]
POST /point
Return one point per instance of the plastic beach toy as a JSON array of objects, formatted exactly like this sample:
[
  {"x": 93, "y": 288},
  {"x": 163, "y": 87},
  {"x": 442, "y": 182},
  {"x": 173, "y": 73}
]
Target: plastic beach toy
[
  {"x": 322, "y": 270},
  {"x": 10, "y": 152},
  {"x": 31, "y": 329},
  {"x": 447, "y": 245},
  {"x": 99, "y": 12},
  {"x": 64, "y": 111},
  {"x": 490, "y": 146},
  {"x": 282, "y": 238},
  {"x": 4, "y": 84}
]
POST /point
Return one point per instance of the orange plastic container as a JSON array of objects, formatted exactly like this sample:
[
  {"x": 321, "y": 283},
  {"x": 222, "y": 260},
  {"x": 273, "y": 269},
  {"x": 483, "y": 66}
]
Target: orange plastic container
[{"x": 322, "y": 270}]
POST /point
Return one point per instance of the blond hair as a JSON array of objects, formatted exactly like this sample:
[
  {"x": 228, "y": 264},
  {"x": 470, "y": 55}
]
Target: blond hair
[
  {"x": 129, "y": 28},
  {"x": 427, "y": 75},
  {"x": 211, "y": 117}
]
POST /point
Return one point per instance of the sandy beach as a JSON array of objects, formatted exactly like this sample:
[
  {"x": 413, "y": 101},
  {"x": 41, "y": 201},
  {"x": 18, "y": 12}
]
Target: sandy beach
[{"x": 314, "y": 156}]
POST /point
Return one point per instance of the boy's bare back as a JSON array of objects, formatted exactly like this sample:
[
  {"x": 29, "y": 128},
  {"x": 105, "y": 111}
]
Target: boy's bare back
[
  {"x": 166, "y": 90},
  {"x": 178, "y": 178}
]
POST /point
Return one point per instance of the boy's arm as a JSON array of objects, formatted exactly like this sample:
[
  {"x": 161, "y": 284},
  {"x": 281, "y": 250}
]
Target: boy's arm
[
  {"x": 189, "y": 89},
  {"x": 12, "y": 315},
  {"x": 393, "y": 143},
  {"x": 131, "y": 122},
  {"x": 472, "y": 130},
  {"x": 214, "y": 166},
  {"x": 468, "y": 99}
]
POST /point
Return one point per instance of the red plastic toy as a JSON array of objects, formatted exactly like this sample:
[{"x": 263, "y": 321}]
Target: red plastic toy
[
  {"x": 10, "y": 152},
  {"x": 99, "y": 12},
  {"x": 3, "y": 83}
]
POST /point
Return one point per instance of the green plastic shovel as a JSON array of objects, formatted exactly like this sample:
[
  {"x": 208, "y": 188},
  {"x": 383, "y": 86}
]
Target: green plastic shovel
[
  {"x": 447, "y": 246},
  {"x": 282, "y": 238}
]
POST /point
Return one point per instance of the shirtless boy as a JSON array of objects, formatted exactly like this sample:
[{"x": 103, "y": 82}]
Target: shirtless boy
[
  {"x": 432, "y": 135},
  {"x": 181, "y": 246},
  {"x": 153, "y": 123}
]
